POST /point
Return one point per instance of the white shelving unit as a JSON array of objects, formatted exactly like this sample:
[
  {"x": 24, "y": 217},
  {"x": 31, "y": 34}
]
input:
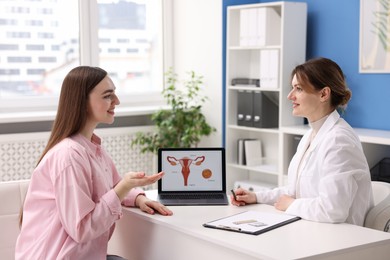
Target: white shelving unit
[
  {"x": 285, "y": 22},
  {"x": 243, "y": 61}
]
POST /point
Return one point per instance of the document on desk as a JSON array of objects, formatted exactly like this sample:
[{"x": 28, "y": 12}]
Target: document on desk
[{"x": 252, "y": 222}]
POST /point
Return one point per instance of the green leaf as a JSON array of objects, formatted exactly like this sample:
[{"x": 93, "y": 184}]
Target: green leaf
[{"x": 184, "y": 124}]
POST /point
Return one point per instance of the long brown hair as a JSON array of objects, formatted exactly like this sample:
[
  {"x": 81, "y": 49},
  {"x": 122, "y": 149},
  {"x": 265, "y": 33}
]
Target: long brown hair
[{"x": 72, "y": 108}]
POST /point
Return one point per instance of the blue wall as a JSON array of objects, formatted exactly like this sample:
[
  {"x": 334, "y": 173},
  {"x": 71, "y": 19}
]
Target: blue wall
[{"x": 333, "y": 32}]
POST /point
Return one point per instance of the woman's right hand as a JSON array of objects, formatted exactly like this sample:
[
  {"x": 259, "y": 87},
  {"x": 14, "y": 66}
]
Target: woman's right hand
[
  {"x": 138, "y": 179},
  {"x": 135, "y": 179},
  {"x": 243, "y": 197}
]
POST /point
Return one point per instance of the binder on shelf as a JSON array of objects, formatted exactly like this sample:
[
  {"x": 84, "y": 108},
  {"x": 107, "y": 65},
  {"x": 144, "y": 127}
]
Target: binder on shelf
[
  {"x": 265, "y": 110},
  {"x": 244, "y": 27},
  {"x": 241, "y": 158},
  {"x": 252, "y": 12},
  {"x": 245, "y": 108},
  {"x": 267, "y": 20},
  {"x": 269, "y": 68},
  {"x": 253, "y": 154},
  {"x": 256, "y": 26},
  {"x": 240, "y": 152},
  {"x": 248, "y": 27}
]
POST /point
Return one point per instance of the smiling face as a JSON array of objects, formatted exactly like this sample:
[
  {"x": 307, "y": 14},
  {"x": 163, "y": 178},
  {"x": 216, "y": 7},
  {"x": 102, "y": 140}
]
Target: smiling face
[
  {"x": 307, "y": 102},
  {"x": 101, "y": 103}
]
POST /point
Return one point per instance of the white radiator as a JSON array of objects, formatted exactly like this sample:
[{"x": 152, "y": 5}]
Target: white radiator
[{"x": 20, "y": 152}]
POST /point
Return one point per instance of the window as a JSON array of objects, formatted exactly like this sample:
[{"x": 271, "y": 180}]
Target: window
[
  {"x": 42, "y": 40},
  {"x": 36, "y": 27}
]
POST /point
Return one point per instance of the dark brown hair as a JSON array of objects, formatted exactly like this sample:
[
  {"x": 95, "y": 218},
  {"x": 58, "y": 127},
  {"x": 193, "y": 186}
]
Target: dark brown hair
[{"x": 323, "y": 72}]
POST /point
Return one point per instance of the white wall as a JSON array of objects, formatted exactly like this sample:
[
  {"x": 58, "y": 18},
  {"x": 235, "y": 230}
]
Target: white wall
[{"x": 197, "y": 46}]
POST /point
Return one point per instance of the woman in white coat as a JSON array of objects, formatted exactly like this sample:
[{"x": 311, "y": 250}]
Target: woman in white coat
[{"x": 328, "y": 177}]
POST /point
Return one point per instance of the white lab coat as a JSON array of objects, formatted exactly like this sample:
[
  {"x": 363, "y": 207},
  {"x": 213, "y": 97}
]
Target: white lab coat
[{"x": 334, "y": 184}]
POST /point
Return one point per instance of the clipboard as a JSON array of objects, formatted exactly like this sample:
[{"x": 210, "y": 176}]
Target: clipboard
[{"x": 252, "y": 222}]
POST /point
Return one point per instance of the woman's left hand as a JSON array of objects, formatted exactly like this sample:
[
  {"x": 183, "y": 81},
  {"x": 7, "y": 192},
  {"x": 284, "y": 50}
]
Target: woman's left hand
[
  {"x": 283, "y": 202},
  {"x": 151, "y": 206}
]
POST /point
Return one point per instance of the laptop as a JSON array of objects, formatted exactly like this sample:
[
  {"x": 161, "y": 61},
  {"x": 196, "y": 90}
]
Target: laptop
[{"x": 193, "y": 176}]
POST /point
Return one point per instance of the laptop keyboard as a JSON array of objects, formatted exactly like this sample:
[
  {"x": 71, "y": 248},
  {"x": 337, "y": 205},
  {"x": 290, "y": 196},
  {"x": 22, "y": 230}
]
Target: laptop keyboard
[{"x": 191, "y": 196}]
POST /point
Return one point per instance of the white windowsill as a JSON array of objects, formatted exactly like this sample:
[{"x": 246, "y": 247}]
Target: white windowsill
[{"x": 36, "y": 116}]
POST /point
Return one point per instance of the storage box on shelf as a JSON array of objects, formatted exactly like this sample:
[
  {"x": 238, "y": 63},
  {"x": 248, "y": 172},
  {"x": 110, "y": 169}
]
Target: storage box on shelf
[{"x": 260, "y": 47}]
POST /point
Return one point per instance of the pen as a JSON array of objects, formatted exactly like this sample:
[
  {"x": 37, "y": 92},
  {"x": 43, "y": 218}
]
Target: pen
[
  {"x": 234, "y": 194},
  {"x": 247, "y": 221},
  {"x": 229, "y": 228}
]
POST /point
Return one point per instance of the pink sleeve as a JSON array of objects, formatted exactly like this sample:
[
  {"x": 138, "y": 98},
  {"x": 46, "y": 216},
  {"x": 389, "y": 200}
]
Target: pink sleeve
[{"x": 129, "y": 200}]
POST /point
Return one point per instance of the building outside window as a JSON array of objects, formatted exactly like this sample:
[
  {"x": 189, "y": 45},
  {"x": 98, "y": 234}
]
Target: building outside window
[{"x": 42, "y": 40}]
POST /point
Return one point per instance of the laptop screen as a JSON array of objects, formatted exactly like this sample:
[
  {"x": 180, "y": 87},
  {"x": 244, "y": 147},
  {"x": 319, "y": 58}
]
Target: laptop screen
[{"x": 192, "y": 169}]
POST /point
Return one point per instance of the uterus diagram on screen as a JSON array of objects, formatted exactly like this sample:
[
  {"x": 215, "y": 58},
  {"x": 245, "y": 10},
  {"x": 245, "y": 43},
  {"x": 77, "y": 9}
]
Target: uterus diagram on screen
[{"x": 186, "y": 163}]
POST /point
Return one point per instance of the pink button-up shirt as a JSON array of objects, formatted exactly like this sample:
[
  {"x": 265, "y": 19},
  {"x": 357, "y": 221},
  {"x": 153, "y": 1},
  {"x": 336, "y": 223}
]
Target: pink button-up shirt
[{"x": 71, "y": 207}]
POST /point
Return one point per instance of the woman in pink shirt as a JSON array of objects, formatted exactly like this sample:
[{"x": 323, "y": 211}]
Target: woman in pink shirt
[{"x": 75, "y": 194}]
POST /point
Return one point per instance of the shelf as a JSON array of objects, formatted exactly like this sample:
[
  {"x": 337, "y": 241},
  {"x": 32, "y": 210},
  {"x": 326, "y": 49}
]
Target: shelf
[
  {"x": 246, "y": 48},
  {"x": 254, "y": 129},
  {"x": 256, "y": 5},
  {"x": 264, "y": 168},
  {"x": 254, "y": 88},
  {"x": 373, "y": 136}
]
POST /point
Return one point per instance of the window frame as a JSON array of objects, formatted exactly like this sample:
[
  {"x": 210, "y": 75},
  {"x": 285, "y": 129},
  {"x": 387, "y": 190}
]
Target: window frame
[{"x": 89, "y": 55}]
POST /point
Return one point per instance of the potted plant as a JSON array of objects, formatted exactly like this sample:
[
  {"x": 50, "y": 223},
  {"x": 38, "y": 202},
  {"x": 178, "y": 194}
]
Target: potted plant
[{"x": 183, "y": 123}]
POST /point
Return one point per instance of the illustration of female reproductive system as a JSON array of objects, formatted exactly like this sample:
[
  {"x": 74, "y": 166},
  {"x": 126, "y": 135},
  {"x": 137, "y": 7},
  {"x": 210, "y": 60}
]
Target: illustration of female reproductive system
[{"x": 186, "y": 163}]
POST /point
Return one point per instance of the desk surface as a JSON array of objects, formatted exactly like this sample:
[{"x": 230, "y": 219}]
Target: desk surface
[{"x": 298, "y": 240}]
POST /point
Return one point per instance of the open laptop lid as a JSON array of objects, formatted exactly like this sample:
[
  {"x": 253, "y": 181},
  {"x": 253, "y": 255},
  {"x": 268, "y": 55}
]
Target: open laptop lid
[{"x": 192, "y": 170}]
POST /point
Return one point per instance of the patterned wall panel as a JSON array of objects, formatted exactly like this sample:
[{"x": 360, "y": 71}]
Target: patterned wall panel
[{"x": 20, "y": 152}]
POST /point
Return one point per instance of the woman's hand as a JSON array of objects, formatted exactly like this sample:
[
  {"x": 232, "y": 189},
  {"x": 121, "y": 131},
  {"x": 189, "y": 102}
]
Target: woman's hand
[
  {"x": 138, "y": 179},
  {"x": 135, "y": 179},
  {"x": 283, "y": 202},
  {"x": 150, "y": 206},
  {"x": 243, "y": 197}
]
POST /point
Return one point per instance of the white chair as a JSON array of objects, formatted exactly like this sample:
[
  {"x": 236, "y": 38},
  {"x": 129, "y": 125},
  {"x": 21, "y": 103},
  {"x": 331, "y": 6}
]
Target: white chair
[
  {"x": 379, "y": 216},
  {"x": 12, "y": 194}
]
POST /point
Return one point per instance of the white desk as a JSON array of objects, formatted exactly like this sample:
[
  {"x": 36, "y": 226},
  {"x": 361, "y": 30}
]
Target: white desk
[{"x": 140, "y": 236}]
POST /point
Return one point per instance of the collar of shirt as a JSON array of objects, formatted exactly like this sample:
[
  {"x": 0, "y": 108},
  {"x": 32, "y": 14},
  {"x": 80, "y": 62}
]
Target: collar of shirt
[
  {"x": 93, "y": 145},
  {"x": 315, "y": 126}
]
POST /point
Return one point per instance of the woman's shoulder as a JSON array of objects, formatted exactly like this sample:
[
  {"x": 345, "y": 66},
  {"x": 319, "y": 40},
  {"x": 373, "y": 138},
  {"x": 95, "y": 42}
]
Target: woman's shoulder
[
  {"x": 69, "y": 144},
  {"x": 63, "y": 157},
  {"x": 66, "y": 150},
  {"x": 343, "y": 132},
  {"x": 344, "y": 127}
]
